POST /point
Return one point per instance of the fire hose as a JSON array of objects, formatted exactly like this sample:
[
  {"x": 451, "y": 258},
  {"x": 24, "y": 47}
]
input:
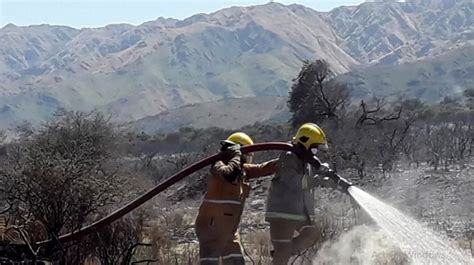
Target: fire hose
[{"x": 272, "y": 146}]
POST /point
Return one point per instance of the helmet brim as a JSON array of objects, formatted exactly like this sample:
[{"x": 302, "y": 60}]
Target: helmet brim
[{"x": 227, "y": 142}]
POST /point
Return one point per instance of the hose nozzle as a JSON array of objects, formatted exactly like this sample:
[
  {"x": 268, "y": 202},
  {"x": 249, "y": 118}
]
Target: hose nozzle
[{"x": 343, "y": 183}]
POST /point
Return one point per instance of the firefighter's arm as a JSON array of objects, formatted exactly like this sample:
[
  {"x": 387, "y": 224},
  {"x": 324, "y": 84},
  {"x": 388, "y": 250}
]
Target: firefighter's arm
[
  {"x": 229, "y": 167},
  {"x": 260, "y": 170},
  {"x": 322, "y": 179},
  {"x": 289, "y": 167},
  {"x": 222, "y": 168}
]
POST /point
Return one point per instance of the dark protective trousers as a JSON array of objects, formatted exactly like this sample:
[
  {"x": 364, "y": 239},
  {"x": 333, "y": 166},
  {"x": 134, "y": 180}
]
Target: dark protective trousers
[
  {"x": 219, "y": 240},
  {"x": 285, "y": 244}
]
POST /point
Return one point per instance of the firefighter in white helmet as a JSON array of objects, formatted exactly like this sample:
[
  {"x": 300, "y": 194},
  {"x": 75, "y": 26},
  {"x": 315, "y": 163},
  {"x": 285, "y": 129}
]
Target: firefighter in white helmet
[
  {"x": 221, "y": 209},
  {"x": 290, "y": 202}
]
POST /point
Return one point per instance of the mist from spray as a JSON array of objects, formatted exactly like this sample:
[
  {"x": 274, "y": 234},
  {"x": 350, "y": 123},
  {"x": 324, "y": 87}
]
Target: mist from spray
[
  {"x": 361, "y": 245},
  {"x": 419, "y": 244}
]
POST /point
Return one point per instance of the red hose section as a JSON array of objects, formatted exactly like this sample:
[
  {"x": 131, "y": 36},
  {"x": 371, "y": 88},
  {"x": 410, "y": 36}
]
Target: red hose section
[{"x": 168, "y": 183}]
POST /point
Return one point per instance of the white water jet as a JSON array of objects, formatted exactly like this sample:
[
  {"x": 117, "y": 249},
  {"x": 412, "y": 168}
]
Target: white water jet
[{"x": 420, "y": 244}]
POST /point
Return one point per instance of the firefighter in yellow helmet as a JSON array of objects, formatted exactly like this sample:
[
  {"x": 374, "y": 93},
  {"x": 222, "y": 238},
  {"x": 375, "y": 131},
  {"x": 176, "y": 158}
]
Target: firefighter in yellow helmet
[
  {"x": 290, "y": 202},
  {"x": 221, "y": 209}
]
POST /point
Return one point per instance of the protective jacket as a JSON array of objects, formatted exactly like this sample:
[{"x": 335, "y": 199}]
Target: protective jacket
[
  {"x": 220, "y": 212},
  {"x": 290, "y": 195}
]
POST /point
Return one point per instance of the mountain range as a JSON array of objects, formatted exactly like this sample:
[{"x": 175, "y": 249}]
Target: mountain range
[
  {"x": 238, "y": 112},
  {"x": 419, "y": 48}
]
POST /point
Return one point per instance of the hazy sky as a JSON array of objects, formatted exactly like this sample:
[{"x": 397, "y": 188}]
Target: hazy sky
[{"x": 94, "y": 13}]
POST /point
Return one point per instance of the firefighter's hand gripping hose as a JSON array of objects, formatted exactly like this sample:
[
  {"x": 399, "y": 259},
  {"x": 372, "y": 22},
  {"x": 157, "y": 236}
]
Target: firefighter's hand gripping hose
[{"x": 275, "y": 146}]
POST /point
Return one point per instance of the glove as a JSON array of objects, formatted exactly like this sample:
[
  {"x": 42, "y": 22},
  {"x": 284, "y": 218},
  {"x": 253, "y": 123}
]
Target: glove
[
  {"x": 324, "y": 182},
  {"x": 319, "y": 181},
  {"x": 324, "y": 168},
  {"x": 327, "y": 177},
  {"x": 329, "y": 183}
]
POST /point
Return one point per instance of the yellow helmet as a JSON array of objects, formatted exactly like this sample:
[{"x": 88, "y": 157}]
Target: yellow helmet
[
  {"x": 239, "y": 138},
  {"x": 311, "y": 136}
]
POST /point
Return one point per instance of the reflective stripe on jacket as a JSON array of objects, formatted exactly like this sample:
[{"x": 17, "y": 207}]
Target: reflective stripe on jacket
[
  {"x": 230, "y": 197},
  {"x": 220, "y": 212},
  {"x": 290, "y": 197}
]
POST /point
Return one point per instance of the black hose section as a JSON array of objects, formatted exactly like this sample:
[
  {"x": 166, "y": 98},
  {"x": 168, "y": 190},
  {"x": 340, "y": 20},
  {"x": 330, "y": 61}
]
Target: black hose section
[
  {"x": 275, "y": 146},
  {"x": 137, "y": 202}
]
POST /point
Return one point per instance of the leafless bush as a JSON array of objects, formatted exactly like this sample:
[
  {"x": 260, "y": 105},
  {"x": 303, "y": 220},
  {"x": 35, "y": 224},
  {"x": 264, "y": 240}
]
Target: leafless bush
[
  {"x": 368, "y": 137},
  {"x": 61, "y": 175},
  {"x": 448, "y": 143},
  {"x": 167, "y": 239},
  {"x": 159, "y": 166},
  {"x": 412, "y": 147},
  {"x": 121, "y": 242}
]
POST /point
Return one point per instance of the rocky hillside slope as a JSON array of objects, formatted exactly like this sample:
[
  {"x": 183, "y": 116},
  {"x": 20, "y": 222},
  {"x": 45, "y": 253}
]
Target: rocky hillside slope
[
  {"x": 227, "y": 114},
  {"x": 428, "y": 80},
  {"x": 135, "y": 71}
]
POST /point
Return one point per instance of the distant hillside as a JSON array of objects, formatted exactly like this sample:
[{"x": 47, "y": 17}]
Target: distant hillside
[
  {"x": 428, "y": 80},
  {"x": 228, "y": 113},
  {"x": 137, "y": 71}
]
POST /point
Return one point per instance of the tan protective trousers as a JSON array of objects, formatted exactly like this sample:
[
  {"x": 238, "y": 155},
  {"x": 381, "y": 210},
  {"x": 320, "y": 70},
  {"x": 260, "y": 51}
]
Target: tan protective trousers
[
  {"x": 219, "y": 240},
  {"x": 285, "y": 244}
]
